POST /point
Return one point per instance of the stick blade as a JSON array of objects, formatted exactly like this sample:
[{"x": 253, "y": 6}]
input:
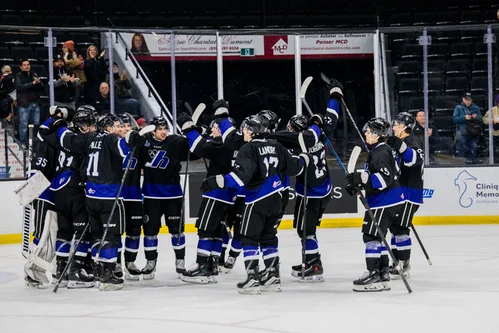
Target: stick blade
[
  {"x": 304, "y": 86},
  {"x": 147, "y": 129},
  {"x": 198, "y": 112},
  {"x": 352, "y": 162},
  {"x": 325, "y": 78}
]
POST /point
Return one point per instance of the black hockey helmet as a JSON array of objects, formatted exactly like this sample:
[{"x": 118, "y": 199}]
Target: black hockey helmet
[
  {"x": 256, "y": 124},
  {"x": 124, "y": 118},
  {"x": 106, "y": 121},
  {"x": 405, "y": 118},
  {"x": 298, "y": 123},
  {"x": 83, "y": 118},
  {"x": 243, "y": 123},
  {"x": 159, "y": 121},
  {"x": 271, "y": 117},
  {"x": 220, "y": 107},
  {"x": 378, "y": 126}
]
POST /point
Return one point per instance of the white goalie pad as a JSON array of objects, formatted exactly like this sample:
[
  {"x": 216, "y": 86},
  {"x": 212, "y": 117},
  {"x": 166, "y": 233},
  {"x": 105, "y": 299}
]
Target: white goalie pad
[
  {"x": 32, "y": 188},
  {"x": 42, "y": 258}
]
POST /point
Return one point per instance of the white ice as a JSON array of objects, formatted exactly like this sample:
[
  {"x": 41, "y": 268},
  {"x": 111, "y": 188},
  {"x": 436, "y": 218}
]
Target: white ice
[{"x": 459, "y": 293}]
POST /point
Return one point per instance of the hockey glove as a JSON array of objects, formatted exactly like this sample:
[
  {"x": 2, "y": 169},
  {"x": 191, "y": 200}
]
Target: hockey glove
[
  {"x": 351, "y": 189},
  {"x": 357, "y": 178},
  {"x": 397, "y": 144},
  {"x": 335, "y": 89},
  {"x": 203, "y": 130},
  {"x": 317, "y": 119},
  {"x": 134, "y": 139},
  {"x": 58, "y": 111},
  {"x": 185, "y": 122},
  {"x": 213, "y": 183},
  {"x": 305, "y": 158},
  {"x": 57, "y": 123}
]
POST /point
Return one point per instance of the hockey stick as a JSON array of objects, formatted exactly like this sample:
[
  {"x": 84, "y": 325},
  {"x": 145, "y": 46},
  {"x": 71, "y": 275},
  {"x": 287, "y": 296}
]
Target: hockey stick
[
  {"x": 184, "y": 189},
  {"x": 421, "y": 244},
  {"x": 72, "y": 255},
  {"x": 304, "y": 149},
  {"x": 195, "y": 117},
  {"x": 28, "y": 209},
  {"x": 351, "y": 168},
  {"x": 142, "y": 132}
]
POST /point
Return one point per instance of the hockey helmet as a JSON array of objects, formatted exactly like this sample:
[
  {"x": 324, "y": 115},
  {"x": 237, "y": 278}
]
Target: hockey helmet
[
  {"x": 272, "y": 118},
  {"x": 83, "y": 118},
  {"x": 378, "y": 126},
  {"x": 106, "y": 121},
  {"x": 158, "y": 122},
  {"x": 124, "y": 118},
  {"x": 405, "y": 118},
  {"x": 256, "y": 124},
  {"x": 298, "y": 123}
]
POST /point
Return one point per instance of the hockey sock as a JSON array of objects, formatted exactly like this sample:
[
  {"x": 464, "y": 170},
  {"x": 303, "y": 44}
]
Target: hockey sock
[
  {"x": 95, "y": 247},
  {"x": 179, "y": 245},
  {"x": 235, "y": 248},
  {"x": 132, "y": 244},
  {"x": 373, "y": 255},
  {"x": 393, "y": 244},
  {"x": 205, "y": 248},
  {"x": 385, "y": 260},
  {"x": 109, "y": 254},
  {"x": 251, "y": 257},
  {"x": 217, "y": 247},
  {"x": 270, "y": 253},
  {"x": 404, "y": 244},
  {"x": 151, "y": 247},
  {"x": 120, "y": 251},
  {"x": 62, "y": 248},
  {"x": 311, "y": 248},
  {"x": 81, "y": 252}
]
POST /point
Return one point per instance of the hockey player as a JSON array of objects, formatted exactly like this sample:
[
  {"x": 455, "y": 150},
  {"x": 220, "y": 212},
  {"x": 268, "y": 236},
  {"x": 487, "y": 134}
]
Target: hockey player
[
  {"x": 318, "y": 190},
  {"x": 384, "y": 196},
  {"x": 214, "y": 204},
  {"x": 160, "y": 158},
  {"x": 105, "y": 152},
  {"x": 257, "y": 167},
  {"x": 411, "y": 158},
  {"x": 72, "y": 216}
]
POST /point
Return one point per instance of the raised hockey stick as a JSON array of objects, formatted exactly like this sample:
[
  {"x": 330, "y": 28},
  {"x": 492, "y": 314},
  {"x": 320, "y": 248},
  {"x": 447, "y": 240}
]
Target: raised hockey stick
[
  {"x": 304, "y": 149},
  {"x": 351, "y": 168},
  {"x": 195, "y": 114},
  {"x": 28, "y": 209}
]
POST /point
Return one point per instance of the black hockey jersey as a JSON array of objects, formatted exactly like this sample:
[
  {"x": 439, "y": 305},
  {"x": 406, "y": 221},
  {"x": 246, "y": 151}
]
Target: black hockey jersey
[
  {"x": 257, "y": 168},
  {"x": 230, "y": 137},
  {"x": 44, "y": 159},
  {"x": 411, "y": 171},
  {"x": 383, "y": 187},
  {"x": 131, "y": 188},
  {"x": 161, "y": 164},
  {"x": 221, "y": 158}
]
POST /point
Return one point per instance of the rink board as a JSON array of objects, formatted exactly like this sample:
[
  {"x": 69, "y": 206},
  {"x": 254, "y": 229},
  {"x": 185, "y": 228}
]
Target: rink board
[{"x": 452, "y": 196}]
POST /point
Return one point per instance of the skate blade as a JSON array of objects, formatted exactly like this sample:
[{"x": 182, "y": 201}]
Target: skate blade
[
  {"x": 275, "y": 288},
  {"x": 64, "y": 283},
  {"x": 397, "y": 276},
  {"x": 196, "y": 279},
  {"x": 110, "y": 286},
  {"x": 80, "y": 285},
  {"x": 386, "y": 286},
  {"x": 130, "y": 277},
  {"x": 212, "y": 279},
  {"x": 249, "y": 291},
  {"x": 373, "y": 287},
  {"x": 37, "y": 285},
  {"x": 311, "y": 279},
  {"x": 226, "y": 270},
  {"x": 148, "y": 276}
]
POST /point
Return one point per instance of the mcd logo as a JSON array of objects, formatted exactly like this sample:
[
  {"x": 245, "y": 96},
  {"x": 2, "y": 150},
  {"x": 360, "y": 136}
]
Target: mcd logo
[{"x": 280, "y": 47}]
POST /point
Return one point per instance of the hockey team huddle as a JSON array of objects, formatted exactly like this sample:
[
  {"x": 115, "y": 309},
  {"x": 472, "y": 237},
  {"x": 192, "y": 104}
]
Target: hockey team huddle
[{"x": 109, "y": 179}]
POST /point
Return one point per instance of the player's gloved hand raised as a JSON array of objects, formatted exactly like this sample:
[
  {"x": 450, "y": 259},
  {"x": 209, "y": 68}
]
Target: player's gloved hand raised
[
  {"x": 185, "y": 122},
  {"x": 55, "y": 123},
  {"x": 351, "y": 189},
  {"x": 134, "y": 139},
  {"x": 221, "y": 108},
  {"x": 57, "y": 111},
  {"x": 318, "y": 119},
  {"x": 335, "y": 89},
  {"x": 357, "y": 178},
  {"x": 397, "y": 144},
  {"x": 213, "y": 183},
  {"x": 203, "y": 130}
]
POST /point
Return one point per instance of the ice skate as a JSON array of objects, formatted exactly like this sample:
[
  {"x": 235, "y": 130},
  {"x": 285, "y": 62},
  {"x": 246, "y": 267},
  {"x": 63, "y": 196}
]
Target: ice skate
[
  {"x": 132, "y": 272},
  {"x": 61, "y": 264},
  {"x": 384, "y": 277},
  {"x": 78, "y": 278},
  {"x": 229, "y": 264},
  {"x": 118, "y": 271},
  {"x": 221, "y": 262},
  {"x": 313, "y": 272},
  {"x": 30, "y": 282},
  {"x": 368, "y": 282},
  {"x": 270, "y": 280},
  {"x": 404, "y": 266},
  {"x": 213, "y": 269},
  {"x": 109, "y": 281},
  {"x": 250, "y": 286},
  {"x": 180, "y": 267},
  {"x": 148, "y": 272},
  {"x": 200, "y": 274}
]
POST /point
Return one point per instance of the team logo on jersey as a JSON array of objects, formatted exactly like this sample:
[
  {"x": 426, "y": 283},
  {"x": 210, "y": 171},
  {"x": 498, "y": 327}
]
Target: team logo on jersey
[
  {"x": 152, "y": 153},
  {"x": 62, "y": 180},
  {"x": 91, "y": 191},
  {"x": 275, "y": 184},
  {"x": 145, "y": 219}
]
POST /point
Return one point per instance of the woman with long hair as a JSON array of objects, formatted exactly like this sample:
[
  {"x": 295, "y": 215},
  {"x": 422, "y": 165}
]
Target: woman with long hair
[
  {"x": 139, "y": 45},
  {"x": 95, "y": 71}
]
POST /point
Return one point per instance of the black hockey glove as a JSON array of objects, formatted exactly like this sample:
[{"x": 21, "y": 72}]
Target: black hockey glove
[
  {"x": 357, "y": 178},
  {"x": 318, "y": 119},
  {"x": 335, "y": 89},
  {"x": 351, "y": 189},
  {"x": 134, "y": 139},
  {"x": 397, "y": 144},
  {"x": 213, "y": 183},
  {"x": 185, "y": 122},
  {"x": 203, "y": 130},
  {"x": 57, "y": 123}
]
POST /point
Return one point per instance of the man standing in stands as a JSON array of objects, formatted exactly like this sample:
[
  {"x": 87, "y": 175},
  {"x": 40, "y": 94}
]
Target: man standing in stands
[
  {"x": 65, "y": 84},
  {"x": 465, "y": 115},
  {"x": 124, "y": 99},
  {"x": 28, "y": 87}
]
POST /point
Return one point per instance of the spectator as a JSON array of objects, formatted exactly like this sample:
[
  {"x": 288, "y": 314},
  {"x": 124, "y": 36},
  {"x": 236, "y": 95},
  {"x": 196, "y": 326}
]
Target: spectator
[
  {"x": 76, "y": 63},
  {"x": 65, "y": 84},
  {"x": 28, "y": 87},
  {"x": 95, "y": 72},
  {"x": 124, "y": 100},
  {"x": 139, "y": 45},
  {"x": 7, "y": 95},
  {"x": 466, "y": 117},
  {"x": 102, "y": 102},
  {"x": 495, "y": 125},
  {"x": 141, "y": 122},
  {"x": 432, "y": 132}
]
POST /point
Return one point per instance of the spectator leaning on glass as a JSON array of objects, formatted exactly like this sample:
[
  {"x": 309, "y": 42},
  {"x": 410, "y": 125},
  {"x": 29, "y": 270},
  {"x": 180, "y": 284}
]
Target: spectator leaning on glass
[
  {"x": 95, "y": 72},
  {"x": 124, "y": 100},
  {"x": 102, "y": 102},
  {"x": 65, "y": 84},
  {"x": 28, "y": 87},
  {"x": 495, "y": 125},
  {"x": 7, "y": 95},
  {"x": 468, "y": 121}
]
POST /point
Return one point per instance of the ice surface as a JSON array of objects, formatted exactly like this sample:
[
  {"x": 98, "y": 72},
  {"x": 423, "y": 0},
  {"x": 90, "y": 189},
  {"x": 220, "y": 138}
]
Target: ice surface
[{"x": 459, "y": 293}]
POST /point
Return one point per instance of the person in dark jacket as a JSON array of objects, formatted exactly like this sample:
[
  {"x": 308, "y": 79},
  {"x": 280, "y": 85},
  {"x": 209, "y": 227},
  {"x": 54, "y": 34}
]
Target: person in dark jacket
[
  {"x": 65, "y": 84},
  {"x": 95, "y": 72},
  {"x": 7, "y": 87},
  {"x": 466, "y": 144},
  {"x": 124, "y": 100},
  {"x": 102, "y": 103},
  {"x": 28, "y": 87}
]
